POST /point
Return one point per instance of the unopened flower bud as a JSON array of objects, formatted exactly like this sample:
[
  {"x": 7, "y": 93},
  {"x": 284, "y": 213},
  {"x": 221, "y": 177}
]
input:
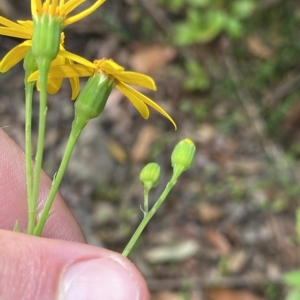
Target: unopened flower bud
[
  {"x": 92, "y": 99},
  {"x": 150, "y": 175},
  {"x": 183, "y": 156}
]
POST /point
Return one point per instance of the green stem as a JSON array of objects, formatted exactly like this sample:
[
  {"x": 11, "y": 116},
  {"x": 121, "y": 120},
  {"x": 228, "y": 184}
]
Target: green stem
[
  {"x": 28, "y": 150},
  {"x": 148, "y": 216},
  {"x": 146, "y": 197},
  {"x": 43, "y": 65},
  {"x": 77, "y": 127}
]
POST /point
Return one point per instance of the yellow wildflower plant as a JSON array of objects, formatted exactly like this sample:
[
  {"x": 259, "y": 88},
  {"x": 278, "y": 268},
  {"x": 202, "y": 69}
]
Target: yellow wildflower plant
[{"x": 121, "y": 80}]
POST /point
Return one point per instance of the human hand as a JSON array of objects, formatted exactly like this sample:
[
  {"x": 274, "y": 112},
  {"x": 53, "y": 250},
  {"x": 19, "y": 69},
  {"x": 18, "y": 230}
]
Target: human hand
[{"x": 59, "y": 265}]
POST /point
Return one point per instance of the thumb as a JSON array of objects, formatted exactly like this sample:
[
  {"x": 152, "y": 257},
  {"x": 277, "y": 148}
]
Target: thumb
[{"x": 54, "y": 269}]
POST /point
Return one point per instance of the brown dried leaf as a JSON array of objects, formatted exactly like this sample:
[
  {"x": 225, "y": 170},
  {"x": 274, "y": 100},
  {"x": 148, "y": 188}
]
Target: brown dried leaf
[
  {"x": 237, "y": 261},
  {"x": 258, "y": 48},
  {"x": 149, "y": 59},
  {"x": 208, "y": 212},
  {"x": 229, "y": 294},
  {"x": 172, "y": 253},
  {"x": 116, "y": 150},
  {"x": 140, "y": 149},
  {"x": 166, "y": 296},
  {"x": 219, "y": 241},
  {"x": 206, "y": 133}
]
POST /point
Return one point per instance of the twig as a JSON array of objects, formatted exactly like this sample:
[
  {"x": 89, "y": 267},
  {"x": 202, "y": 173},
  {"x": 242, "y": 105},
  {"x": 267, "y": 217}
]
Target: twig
[
  {"x": 253, "y": 280},
  {"x": 158, "y": 15},
  {"x": 282, "y": 91}
]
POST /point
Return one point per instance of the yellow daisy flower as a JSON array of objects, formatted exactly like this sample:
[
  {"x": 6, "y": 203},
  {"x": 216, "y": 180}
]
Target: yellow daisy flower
[
  {"x": 120, "y": 77},
  {"x": 24, "y": 30}
]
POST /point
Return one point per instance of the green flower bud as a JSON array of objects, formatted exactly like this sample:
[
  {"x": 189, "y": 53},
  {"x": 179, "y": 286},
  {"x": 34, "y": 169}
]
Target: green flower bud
[
  {"x": 150, "y": 175},
  {"x": 92, "y": 99},
  {"x": 183, "y": 156},
  {"x": 46, "y": 36}
]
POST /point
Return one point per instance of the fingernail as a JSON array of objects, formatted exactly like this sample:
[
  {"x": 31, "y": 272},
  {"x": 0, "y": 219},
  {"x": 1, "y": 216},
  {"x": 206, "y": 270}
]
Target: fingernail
[{"x": 101, "y": 278}]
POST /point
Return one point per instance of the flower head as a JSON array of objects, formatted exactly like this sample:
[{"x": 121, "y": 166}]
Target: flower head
[
  {"x": 50, "y": 18},
  {"x": 62, "y": 8},
  {"x": 121, "y": 79},
  {"x": 25, "y": 29}
]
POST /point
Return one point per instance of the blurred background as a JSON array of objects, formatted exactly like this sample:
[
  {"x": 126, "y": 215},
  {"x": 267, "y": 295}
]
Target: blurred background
[{"x": 228, "y": 73}]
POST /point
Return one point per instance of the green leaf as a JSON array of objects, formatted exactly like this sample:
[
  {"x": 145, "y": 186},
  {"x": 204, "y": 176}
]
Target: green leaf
[
  {"x": 199, "y": 29},
  {"x": 199, "y": 3},
  {"x": 294, "y": 294},
  {"x": 197, "y": 77},
  {"x": 292, "y": 278},
  {"x": 234, "y": 28},
  {"x": 242, "y": 8}
]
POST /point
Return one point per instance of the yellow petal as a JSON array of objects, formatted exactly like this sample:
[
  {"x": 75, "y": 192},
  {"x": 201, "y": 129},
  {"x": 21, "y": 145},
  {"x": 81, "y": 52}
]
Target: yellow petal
[
  {"x": 76, "y": 58},
  {"x": 137, "y": 79},
  {"x": 19, "y": 30},
  {"x": 61, "y": 4},
  {"x": 74, "y": 82},
  {"x": 14, "y": 33},
  {"x": 84, "y": 13},
  {"x": 54, "y": 85},
  {"x": 146, "y": 100},
  {"x": 9, "y": 23},
  {"x": 14, "y": 56},
  {"x": 65, "y": 9},
  {"x": 75, "y": 87},
  {"x": 26, "y": 24},
  {"x": 53, "y": 7},
  {"x": 110, "y": 67},
  {"x": 36, "y": 7},
  {"x": 136, "y": 102},
  {"x": 65, "y": 71},
  {"x": 58, "y": 61}
]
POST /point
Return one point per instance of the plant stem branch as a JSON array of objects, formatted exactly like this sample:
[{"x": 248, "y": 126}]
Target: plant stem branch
[
  {"x": 149, "y": 215},
  {"x": 28, "y": 150},
  {"x": 74, "y": 135},
  {"x": 32, "y": 213}
]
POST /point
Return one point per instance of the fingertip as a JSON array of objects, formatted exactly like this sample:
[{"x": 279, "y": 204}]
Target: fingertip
[{"x": 56, "y": 269}]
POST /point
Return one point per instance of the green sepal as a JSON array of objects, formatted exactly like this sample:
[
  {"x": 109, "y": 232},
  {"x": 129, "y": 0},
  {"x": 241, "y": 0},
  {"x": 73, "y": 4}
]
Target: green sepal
[{"x": 46, "y": 36}]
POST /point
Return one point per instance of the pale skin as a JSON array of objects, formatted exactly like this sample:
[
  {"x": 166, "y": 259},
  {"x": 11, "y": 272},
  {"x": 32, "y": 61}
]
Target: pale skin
[{"x": 38, "y": 268}]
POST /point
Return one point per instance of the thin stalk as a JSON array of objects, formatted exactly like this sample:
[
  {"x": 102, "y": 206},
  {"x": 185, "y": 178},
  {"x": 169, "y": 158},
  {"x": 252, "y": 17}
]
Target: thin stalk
[
  {"x": 44, "y": 69},
  {"x": 74, "y": 135},
  {"x": 149, "y": 215},
  {"x": 146, "y": 196},
  {"x": 28, "y": 151}
]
